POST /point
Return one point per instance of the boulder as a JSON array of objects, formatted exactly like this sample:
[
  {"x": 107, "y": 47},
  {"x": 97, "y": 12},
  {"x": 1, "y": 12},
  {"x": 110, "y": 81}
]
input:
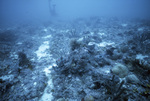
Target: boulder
[{"x": 120, "y": 70}]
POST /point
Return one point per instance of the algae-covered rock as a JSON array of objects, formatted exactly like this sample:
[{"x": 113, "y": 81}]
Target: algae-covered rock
[
  {"x": 116, "y": 55},
  {"x": 120, "y": 70},
  {"x": 88, "y": 98},
  {"x": 62, "y": 99},
  {"x": 132, "y": 79}
]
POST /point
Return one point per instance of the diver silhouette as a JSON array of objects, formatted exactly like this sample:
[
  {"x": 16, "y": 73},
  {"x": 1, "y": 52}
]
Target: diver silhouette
[{"x": 52, "y": 9}]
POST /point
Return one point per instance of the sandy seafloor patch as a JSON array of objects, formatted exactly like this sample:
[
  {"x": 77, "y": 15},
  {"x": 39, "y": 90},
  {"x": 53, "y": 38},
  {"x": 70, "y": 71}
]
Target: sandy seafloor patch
[{"x": 43, "y": 52}]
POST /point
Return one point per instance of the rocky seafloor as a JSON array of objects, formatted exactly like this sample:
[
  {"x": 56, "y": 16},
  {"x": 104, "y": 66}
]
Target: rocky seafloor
[{"x": 95, "y": 59}]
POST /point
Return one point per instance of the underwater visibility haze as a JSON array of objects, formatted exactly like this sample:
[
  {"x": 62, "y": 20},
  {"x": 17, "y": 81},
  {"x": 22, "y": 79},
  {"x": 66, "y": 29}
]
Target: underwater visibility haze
[{"x": 74, "y": 50}]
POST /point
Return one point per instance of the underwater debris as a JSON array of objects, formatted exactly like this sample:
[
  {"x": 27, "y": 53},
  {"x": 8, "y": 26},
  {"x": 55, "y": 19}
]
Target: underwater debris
[
  {"x": 24, "y": 62},
  {"x": 80, "y": 60},
  {"x": 116, "y": 91},
  {"x": 8, "y": 36},
  {"x": 4, "y": 87},
  {"x": 140, "y": 66},
  {"x": 76, "y": 63},
  {"x": 139, "y": 43},
  {"x": 5, "y": 49},
  {"x": 146, "y": 92},
  {"x": 74, "y": 44}
]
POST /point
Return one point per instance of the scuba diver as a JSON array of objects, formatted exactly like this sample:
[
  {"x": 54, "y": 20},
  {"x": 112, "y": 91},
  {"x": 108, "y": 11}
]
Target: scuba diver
[{"x": 52, "y": 8}]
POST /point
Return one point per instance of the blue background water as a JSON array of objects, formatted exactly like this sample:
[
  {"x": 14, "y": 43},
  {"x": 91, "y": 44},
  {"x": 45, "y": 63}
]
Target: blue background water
[{"x": 29, "y": 10}]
